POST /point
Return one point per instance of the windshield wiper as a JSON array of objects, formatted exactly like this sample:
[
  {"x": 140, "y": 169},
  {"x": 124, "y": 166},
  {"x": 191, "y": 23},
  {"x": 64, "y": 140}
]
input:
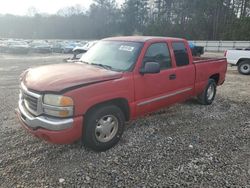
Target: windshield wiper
[
  {"x": 103, "y": 66},
  {"x": 99, "y": 65}
]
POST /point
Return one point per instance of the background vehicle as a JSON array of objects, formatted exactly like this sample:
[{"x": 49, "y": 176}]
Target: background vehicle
[
  {"x": 40, "y": 47},
  {"x": 18, "y": 47},
  {"x": 57, "y": 47},
  {"x": 3, "y": 46},
  {"x": 79, "y": 51},
  {"x": 196, "y": 50},
  {"x": 240, "y": 58},
  {"x": 84, "y": 48},
  {"x": 118, "y": 80},
  {"x": 69, "y": 46}
]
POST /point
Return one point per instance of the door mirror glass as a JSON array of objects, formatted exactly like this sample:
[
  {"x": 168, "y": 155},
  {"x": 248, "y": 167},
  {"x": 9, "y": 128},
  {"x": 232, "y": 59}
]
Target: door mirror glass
[{"x": 151, "y": 68}]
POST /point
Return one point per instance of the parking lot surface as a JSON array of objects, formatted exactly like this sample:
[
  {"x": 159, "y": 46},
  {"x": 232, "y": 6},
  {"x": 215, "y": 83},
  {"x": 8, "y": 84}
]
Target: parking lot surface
[{"x": 186, "y": 145}]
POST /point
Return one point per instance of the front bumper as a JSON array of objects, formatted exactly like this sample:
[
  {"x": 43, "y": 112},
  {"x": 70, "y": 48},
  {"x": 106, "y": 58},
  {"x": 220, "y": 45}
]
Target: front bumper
[
  {"x": 54, "y": 124},
  {"x": 54, "y": 130}
]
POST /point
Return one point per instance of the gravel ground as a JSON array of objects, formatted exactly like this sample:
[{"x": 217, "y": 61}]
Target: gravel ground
[{"x": 187, "y": 145}]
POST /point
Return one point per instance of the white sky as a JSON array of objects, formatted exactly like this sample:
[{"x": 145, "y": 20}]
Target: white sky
[{"x": 20, "y": 7}]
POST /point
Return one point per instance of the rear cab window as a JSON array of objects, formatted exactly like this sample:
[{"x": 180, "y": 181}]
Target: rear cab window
[
  {"x": 158, "y": 52},
  {"x": 180, "y": 53}
]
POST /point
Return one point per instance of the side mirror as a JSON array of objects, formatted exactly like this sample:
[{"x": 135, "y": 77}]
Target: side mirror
[{"x": 151, "y": 68}]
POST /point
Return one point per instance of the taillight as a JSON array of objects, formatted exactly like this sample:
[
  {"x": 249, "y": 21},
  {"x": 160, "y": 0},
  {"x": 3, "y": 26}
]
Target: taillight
[{"x": 225, "y": 53}]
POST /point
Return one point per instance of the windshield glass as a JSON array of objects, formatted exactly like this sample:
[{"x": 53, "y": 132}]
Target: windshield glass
[{"x": 117, "y": 55}]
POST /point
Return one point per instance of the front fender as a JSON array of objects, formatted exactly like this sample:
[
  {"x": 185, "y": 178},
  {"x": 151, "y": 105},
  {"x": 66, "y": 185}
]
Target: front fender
[{"x": 89, "y": 96}]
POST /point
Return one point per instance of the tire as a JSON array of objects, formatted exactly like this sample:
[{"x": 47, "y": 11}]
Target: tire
[
  {"x": 103, "y": 127},
  {"x": 244, "y": 67},
  {"x": 208, "y": 95}
]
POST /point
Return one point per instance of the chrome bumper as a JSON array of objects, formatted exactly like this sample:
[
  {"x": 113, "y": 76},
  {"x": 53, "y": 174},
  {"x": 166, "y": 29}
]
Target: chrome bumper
[{"x": 53, "y": 124}]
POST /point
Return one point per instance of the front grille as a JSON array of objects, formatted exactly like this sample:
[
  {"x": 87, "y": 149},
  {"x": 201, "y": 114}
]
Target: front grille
[{"x": 30, "y": 102}]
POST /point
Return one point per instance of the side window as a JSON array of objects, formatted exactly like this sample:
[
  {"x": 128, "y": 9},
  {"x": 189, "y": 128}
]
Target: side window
[
  {"x": 158, "y": 52},
  {"x": 180, "y": 53}
]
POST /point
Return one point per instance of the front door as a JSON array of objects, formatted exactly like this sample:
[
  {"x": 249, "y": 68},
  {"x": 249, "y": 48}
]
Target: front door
[{"x": 152, "y": 90}]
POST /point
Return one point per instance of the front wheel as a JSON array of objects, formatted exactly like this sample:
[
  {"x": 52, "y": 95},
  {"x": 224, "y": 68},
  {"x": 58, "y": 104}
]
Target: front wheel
[
  {"x": 244, "y": 67},
  {"x": 208, "y": 95},
  {"x": 103, "y": 127}
]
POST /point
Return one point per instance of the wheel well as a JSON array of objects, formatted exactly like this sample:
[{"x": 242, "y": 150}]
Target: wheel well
[
  {"x": 242, "y": 59},
  {"x": 120, "y": 102},
  {"x": 215, "y": 77}
]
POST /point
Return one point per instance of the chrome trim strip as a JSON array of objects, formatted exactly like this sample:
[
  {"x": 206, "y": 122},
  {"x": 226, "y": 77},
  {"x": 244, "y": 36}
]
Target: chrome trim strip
[
  {"x": 28, "y": 108},
  {"x": 57, "y": 108},
  {"x": 53, "y": 124},
  {"x": 25, "y": 89},
  {"x": 163, "y": 97}
]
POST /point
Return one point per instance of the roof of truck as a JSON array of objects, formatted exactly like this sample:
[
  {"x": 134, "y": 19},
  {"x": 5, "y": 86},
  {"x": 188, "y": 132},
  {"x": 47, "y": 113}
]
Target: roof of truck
[{"x": 140, "y": 38}]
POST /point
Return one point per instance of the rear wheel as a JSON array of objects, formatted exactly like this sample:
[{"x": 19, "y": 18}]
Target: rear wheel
[
  {"x": 208, "y": 95},
  {"x": 244, "y": 67},
  {"x": 103, "y": 127}
]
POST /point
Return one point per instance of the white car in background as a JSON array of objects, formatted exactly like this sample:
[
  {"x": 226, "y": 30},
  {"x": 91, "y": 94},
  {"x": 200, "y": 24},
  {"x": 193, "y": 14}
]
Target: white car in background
[
  {"x": 240, "y": 58},
  {"x": 79, "y": 51},
  {"x": 85, "y": 48}
]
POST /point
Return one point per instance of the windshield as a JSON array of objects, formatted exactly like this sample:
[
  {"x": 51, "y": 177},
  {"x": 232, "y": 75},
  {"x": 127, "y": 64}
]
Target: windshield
[{"x": 117, "y": 55}]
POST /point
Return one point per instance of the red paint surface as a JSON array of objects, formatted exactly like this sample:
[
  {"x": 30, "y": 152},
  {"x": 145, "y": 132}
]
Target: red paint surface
[{"x": 60, "y": 76}]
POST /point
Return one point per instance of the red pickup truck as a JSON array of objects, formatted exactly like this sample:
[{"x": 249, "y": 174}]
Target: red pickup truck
[{"x": 117, "y": 80}]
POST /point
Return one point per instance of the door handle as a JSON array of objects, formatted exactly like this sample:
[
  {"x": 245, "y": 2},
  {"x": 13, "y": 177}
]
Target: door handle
[{"x": 172, "y": 77}]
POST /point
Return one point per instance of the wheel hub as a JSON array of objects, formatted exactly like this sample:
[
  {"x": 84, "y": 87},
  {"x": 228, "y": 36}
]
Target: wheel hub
[
  {"x": 245, "y": 68},
  {"x": 106, "y": 128},
  {"x": 210, "y": 92}
]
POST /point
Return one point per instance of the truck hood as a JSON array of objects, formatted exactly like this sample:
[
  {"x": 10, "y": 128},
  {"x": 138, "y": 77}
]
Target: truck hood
[{"x": 59, "y": 77}]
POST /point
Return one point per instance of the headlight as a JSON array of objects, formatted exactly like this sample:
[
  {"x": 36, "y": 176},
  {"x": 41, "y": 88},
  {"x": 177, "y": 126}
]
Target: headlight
[
  {"x": 57, "y": 100},
  {"x": 58, "y": 105}
]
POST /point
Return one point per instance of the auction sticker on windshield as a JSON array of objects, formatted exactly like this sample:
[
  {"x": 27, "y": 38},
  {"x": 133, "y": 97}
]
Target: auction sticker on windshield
[{"x": 126, "y": 48}]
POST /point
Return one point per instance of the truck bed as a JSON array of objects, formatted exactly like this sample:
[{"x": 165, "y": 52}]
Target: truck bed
[
  {"x": 207, "y": 59},
  {"x": 205, "y": 67}
]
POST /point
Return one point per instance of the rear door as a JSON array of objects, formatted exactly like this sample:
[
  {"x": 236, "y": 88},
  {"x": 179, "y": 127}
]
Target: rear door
[
  {"x": 153, "y": 91},
  {"x": 184, "y": 69}
]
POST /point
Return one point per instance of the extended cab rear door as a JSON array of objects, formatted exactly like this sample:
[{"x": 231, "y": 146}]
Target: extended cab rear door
[
  {"x": 154, "y": 91},
  {"x": 184, "y": 68}
]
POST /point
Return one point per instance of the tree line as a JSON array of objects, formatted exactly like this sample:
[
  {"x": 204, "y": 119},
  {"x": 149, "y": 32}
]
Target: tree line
[{"x": 191, "y": 19}]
